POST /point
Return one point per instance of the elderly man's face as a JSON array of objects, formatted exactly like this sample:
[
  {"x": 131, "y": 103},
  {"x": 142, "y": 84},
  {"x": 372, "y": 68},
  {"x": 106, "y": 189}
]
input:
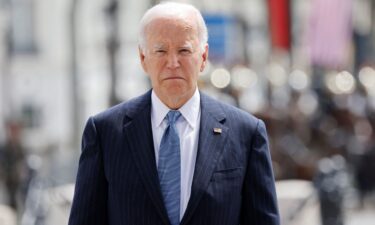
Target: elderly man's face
[{"x": 173, "y": 57}]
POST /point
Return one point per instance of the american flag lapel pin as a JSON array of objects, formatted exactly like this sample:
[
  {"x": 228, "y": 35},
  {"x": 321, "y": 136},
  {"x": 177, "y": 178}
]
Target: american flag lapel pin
[{"x": 217, "y": 130}]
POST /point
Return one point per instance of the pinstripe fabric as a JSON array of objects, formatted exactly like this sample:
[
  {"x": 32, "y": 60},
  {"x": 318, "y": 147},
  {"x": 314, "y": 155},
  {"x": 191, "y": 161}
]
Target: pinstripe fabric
[{"x": 117, "y": 180}]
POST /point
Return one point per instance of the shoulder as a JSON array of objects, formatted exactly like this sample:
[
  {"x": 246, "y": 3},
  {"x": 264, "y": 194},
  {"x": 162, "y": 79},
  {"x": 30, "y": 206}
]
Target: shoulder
[
  {"x": 130, "y": 108},
  {"x": 229, "y": 111},
  {"x": 234, "y": 117}
]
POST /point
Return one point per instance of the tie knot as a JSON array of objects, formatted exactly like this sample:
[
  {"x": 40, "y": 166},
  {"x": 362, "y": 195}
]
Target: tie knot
[{"x": 173, "y": 116}]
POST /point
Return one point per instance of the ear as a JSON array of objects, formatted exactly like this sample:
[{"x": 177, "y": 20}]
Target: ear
[
  {"x": 204, "y": 58},
  {"x": 142, "y": 58}
]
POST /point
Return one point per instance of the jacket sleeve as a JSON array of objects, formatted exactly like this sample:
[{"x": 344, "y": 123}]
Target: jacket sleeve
[
  {"x": 90, "y": 196},
  {"x": 259, "y": 202}
]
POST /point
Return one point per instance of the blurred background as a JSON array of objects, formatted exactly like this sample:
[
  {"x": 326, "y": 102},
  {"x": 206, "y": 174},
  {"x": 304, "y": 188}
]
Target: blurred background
[{"x": 306, "y": 67}]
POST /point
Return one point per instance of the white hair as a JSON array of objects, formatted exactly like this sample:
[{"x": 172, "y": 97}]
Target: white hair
[{"x": 177, "y": 10}]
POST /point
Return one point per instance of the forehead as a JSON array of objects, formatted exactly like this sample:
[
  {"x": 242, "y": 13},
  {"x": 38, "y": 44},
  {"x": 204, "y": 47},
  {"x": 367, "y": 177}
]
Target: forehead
[{"x": 164, "y": 29}]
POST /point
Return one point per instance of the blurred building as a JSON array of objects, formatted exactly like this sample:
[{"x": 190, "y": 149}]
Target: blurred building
[
  {"x": 38, "y": 75},
  {"x": 306, "y": 67}
]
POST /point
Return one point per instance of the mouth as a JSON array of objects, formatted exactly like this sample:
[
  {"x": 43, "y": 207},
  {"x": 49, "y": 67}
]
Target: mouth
[{"x": 173, "y": 78}]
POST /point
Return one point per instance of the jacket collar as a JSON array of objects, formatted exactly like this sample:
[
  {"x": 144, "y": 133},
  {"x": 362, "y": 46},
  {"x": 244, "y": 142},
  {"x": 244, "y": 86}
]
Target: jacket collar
[{"x": 210, "y": 146}]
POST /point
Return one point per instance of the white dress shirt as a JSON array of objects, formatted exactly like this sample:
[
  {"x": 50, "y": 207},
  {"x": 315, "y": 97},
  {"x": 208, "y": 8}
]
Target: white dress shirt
[{"x": 187, "y": 127}]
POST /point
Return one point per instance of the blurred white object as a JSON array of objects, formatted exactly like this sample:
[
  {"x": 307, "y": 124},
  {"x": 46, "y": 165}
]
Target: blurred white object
[
  {"x": 299, "y": 80},
  {"x": 47, "y": 205},
  {"x": 243, "y": 77},
  {"x": 340, "y": 83},
  {"x": 298, "y": 202},
  {"x": 220, "y": 78},
  {"x": 7, "y": 215},
  {"x": 60, "y": 201},
  {"x": 367, "y": 78},
  {"x": 277, "y": 75}
]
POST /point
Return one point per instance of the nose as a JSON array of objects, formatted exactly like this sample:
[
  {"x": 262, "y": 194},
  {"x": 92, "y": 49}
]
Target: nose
[{"x": 173, "y": 61}]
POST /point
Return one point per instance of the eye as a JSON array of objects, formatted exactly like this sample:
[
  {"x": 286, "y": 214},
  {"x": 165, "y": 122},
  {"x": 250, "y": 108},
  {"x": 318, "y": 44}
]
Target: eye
[
  {"x": 160, "y": 52},
  {"x": 185, "y": 51}
]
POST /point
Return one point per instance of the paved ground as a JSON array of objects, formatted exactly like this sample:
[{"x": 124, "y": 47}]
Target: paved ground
[
  {"x": 289, "y": 202},
  {"x": 60, "y": 207},
  {"x": 361, "y": 217}
]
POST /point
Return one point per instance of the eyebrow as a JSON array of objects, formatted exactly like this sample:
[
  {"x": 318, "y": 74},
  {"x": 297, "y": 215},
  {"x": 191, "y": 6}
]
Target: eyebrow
[
  {"x": 187, "y": 45},
  {"x": 158, "y": 46},
  {"x": 163, "y": 46}
]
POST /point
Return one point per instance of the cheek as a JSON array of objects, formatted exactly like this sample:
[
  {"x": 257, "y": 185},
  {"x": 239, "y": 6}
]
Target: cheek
[
  {"x": 154, "y": 67},
  {"x": 194, "y": 66}
]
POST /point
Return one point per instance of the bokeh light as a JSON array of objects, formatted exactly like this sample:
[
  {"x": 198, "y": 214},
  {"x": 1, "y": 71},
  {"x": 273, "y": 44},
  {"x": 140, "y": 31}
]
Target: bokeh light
[
  {"x": 367, "y": 78},
  {"x": 220, "y": 78},
  {"x": 345, "y": 82},
  {"x": 340, "y": 83},
  {"x": 299, "y": 80},
  {"x": 277, "y": 75},
  {"x": 243, "y": 77}
]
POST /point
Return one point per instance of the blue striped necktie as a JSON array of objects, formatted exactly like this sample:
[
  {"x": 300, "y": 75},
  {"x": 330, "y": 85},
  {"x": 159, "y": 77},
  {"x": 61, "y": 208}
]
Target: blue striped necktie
[{"x": 169, "y": 168}]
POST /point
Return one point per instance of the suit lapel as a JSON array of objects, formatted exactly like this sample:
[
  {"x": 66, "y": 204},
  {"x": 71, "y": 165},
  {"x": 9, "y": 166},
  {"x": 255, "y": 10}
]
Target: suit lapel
[
  {"x": 210, "y": 147},
  {"x": 138, "y": 133}
]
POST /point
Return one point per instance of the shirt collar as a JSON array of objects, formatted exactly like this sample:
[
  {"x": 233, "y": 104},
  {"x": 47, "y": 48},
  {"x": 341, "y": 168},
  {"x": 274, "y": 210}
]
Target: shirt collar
[{"x": 190, "y": 110}]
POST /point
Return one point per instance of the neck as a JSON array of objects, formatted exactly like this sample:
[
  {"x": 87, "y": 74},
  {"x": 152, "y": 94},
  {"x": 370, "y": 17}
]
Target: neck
[{"x": 175, "y": 102}]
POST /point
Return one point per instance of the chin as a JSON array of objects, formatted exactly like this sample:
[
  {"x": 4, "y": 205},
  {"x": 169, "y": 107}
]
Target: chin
[{"x": 177, "y": 91}]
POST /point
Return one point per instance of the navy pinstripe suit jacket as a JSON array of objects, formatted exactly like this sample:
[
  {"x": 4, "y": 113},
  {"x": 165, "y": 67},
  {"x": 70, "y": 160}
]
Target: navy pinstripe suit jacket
[{"x": 117, "y": 181}]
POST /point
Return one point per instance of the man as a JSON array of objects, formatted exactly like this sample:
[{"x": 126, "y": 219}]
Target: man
[
  {"x": 174, "y": 155},
  {"x": 13, "y": 164}
]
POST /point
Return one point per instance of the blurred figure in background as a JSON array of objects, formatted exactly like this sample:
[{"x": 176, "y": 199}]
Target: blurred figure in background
[
  {"x": 12, "y": 164},
  {"x": 364, "y": 174}
]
